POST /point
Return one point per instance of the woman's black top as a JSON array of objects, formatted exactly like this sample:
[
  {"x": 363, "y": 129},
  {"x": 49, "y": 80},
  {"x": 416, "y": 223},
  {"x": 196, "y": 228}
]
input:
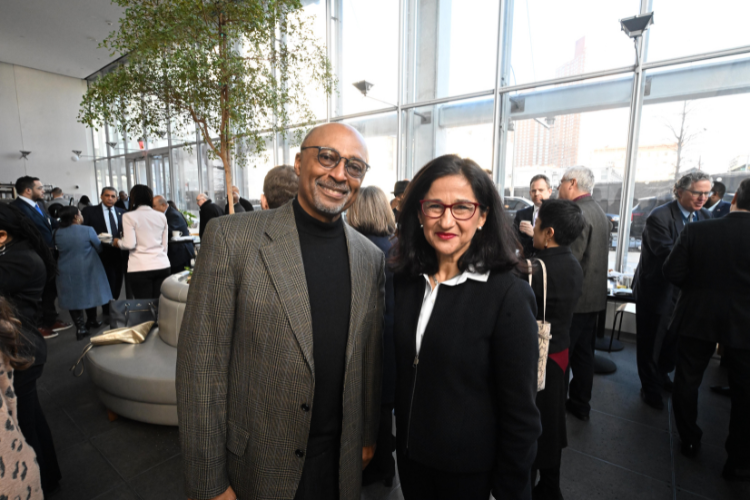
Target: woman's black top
[
  {"x": 468, "y": 404},
  {"x": 22, "y": 280},
  {"x": 385, "y": 243},
  {"x": 564, "y": 282}
]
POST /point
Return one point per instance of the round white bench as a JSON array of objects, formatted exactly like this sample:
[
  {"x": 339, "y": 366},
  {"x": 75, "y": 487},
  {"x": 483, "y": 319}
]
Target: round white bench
[{"x": 137, "y": 381}]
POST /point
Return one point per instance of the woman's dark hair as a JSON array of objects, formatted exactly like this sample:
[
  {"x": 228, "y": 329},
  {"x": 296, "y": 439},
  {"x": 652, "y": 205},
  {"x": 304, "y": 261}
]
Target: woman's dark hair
[
  {"x": 85, "y": 200},
  {"x": 20, "y": 228},
  {"x": 492, "y": 249},
  {"x": 10, "y": 337},
  {"x": 140, "y": 195},
  {"x": 67, "y": 215},
  {"x": 742, "y": 196},
  {"x": 565, "y": 217}
]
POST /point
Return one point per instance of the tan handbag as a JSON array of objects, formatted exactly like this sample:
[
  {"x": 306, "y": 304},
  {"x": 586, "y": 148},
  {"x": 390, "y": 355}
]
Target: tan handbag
[
  {"x": 127, "y": 335},
  {"x": 545, "y": 330}
]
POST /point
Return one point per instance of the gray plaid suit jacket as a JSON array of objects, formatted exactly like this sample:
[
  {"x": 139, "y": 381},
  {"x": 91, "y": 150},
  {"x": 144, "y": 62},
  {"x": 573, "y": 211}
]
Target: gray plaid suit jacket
[{"x": 245, "y": 360}]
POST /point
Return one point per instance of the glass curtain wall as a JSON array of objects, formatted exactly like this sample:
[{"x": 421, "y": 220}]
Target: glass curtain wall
[{"x": 521, "y": 87}]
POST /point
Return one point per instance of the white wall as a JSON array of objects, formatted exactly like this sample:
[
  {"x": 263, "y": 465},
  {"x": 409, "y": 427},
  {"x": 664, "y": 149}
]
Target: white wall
[{"x": 38, "y": 113}]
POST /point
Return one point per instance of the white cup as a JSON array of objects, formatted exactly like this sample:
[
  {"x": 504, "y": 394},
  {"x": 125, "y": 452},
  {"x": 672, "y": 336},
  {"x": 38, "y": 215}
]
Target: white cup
[{"x": 176, "y": 234}]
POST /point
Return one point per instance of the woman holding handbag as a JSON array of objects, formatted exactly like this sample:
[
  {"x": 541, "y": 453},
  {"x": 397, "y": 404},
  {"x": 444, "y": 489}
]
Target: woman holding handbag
[
  {"x": 465, "y": 339},
  {"x": 556, "y": 280}
]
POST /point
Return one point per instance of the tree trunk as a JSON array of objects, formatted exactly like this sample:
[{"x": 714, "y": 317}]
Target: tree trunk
[{"x": 228, "y": 181}]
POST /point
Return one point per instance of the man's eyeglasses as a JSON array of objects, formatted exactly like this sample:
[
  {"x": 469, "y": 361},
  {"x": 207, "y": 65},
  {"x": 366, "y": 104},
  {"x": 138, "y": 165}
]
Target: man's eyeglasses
[
  {"x": 699, "y": 194},
  {"x": 329, "y": 158},
  {"x": 463, "y": 210}
]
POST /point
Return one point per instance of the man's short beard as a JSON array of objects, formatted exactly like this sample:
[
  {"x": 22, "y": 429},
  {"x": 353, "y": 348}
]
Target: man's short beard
[{"x": 323, "y": 208}]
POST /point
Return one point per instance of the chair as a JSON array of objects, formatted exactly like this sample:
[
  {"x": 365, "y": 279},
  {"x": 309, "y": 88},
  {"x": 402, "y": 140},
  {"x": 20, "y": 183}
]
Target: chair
[{"x": 627, "y": 307}]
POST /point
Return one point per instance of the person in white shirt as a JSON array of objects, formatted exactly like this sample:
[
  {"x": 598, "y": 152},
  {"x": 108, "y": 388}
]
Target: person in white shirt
[{"x": 145, "y": 233}]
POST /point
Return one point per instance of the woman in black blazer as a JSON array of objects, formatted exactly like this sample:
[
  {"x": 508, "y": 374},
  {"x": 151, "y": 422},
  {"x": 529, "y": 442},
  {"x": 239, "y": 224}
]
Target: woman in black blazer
[
  {"x": 466, "y": 341},
  {"x": 558, "y": 224}
]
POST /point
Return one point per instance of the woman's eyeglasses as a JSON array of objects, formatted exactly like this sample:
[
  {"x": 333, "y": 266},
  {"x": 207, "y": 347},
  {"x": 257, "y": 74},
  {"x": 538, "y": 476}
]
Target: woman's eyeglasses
[
  {"x": 329, "y": 158},
  {"x": 463, "y": 210}
]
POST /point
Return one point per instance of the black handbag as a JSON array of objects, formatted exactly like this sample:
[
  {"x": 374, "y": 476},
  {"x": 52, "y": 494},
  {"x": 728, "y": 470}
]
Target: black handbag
[{"x": 124, "y": 313}]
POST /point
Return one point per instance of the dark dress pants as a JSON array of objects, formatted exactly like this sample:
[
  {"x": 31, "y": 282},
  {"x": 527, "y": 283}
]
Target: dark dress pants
[
  {"x": 693, "y": 359},
  {"x": 656, "y": 349},
  {"x": 582, "y": 342},
  {"x": 49, "y": 311},
  {"x": 420, "y": 482},
  {"x": 114, "y": 269},
  {"x": 147, "y": 284},
  {"x": 382, "y": 467},
  {"x": 320, "y": 476},
  {"x": 34, "y": 426},
  {"x": 551, "y": 404}
]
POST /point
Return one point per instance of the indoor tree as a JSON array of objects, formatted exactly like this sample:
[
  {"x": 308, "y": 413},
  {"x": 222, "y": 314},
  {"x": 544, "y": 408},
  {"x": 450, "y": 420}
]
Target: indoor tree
[{"x": 238, "y": 69}]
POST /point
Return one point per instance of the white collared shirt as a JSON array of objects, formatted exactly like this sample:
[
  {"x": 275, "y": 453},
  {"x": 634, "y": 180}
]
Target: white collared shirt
[
  {"x": 106, "y": 218},
  {"x": 145, "y": 234},
  {"x": 29, "y": 201},
  {"x": 430, "y": 296},
  {"x": 535, "y": 215}
]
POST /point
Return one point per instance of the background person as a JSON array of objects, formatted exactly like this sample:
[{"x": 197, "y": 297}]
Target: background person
[
  {"x": 180, "y": 253},
  {"x": 208, "y": 211},
  {"x": 466, "y": 324},
  {"x": 539, "y": 190},
  {"x": 558, "y": 224},
  {"x": 591, "y": 248},
  {"x": 15, "y": 452},
  {"x": 240, "y": 203},
  {"x": 84, "y": 202},
  {"x": 58, "y": 200},
  {"x": 399, "y": 189},
  {"x": 30, "y": 202},
  {"x": 82, "y": 283},
  {"x": 25, "y": 263},
  {"x": 372, "y": 216},
  {"x": 123, "y": 202},
  {"x": 106, "y": 217},
  {"x": 711, "y": 266},
  {"x": 654, "y": 295},
  {"x": 279, "y": 187},
  {"x": 715, "y": 203},
  {"x": 145, "y": 233}
]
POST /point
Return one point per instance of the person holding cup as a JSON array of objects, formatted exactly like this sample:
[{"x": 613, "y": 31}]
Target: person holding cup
[
  {"x": 180, "y": 253},
  {"x": 539, "y": 190}
]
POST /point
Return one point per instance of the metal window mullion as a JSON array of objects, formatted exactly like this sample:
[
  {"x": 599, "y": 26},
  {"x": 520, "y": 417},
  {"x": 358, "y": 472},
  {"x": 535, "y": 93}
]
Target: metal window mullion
[
  {"x": 501, "y": 96},
  {"x": 400, "y": 170}
]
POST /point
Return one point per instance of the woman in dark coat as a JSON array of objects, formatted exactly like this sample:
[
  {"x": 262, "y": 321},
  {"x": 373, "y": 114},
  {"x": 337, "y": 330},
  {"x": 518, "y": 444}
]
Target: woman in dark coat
[
  {"x": 372, "y": 216},
  {"x": 558, "y": 224},
  {"x": 466, "y": 341},
  {"x": 82, "y": 282},
  {"x": 25, "y": 264}
]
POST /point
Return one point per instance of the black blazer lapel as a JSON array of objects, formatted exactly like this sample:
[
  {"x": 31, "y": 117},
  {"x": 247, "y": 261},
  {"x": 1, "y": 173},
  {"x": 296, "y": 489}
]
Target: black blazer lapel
[
  {"x": 359, "y": 267},
  {"x": 679, "y": 224}
]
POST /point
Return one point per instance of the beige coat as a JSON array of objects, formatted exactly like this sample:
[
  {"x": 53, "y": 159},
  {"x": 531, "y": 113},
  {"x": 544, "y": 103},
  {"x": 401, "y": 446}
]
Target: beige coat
[
  {"x": 19, "y": 472},
  {"x": 245, "y": 360}
]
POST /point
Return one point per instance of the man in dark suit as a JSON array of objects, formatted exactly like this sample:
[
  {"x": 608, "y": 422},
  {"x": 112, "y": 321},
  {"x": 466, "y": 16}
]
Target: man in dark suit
[
  {"x": 539, "y": 190},
  {"x": 106, "y": 217},
  {"x": 240, "y": 204},
  {"x": 591, "y": 249},
  {"x": 30, "y": 201},
  {"x": 654, "y": 295},
  {"x": 280, "y": 355},
  {"x": 715, "y": 203},
  {"x": 124, "y": 202},
  {"x": 209, "y": 210},
  {"x": 180, "y": 253},
  {"x": 711, "y": 267}
]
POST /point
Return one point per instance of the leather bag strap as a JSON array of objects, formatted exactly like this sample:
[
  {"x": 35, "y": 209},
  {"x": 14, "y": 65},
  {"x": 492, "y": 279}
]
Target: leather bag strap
[{"x": 544, "y": 280}]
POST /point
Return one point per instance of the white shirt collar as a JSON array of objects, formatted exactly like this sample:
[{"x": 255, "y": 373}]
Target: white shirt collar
[
  {"x": 470, "y": 273},
  {"x": 29, "y": 201}
]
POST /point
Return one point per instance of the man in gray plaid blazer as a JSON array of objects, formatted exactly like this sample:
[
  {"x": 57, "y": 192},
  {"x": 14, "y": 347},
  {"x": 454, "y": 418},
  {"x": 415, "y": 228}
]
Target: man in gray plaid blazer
[{"x": 279, "y": 359}]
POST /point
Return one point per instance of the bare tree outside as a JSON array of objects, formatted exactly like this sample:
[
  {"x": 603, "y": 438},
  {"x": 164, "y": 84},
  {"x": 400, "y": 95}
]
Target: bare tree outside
[{"x": 684, "y": 133}]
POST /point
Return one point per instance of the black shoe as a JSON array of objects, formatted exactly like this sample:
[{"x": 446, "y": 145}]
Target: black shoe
[
  {"x": 731, "y": 474},
  {"x": 689, "y": 449},
  {"x": 654, "y": 402},
  {"x": 668, "y": 384},
  {"x": 724, "y": 390},
  {"x": 93, "y": 324},
  {"x": 576, "y": 413},
  {"x": 80, "y": 321}
]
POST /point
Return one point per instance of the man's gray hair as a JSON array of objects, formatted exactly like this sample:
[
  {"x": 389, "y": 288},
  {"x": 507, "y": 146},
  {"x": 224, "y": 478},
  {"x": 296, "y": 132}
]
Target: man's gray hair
[
  {"x": 583, "y": 175},
  {"x": 687, "y": 180}
]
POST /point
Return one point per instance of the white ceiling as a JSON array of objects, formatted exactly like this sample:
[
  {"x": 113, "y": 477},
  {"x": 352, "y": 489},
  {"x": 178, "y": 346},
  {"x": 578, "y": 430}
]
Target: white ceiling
[{"x": 59, "y": 36}]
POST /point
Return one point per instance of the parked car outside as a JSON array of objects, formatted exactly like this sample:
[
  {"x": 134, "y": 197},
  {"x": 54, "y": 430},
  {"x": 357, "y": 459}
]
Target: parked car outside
[{"x": 514, "y": 204}]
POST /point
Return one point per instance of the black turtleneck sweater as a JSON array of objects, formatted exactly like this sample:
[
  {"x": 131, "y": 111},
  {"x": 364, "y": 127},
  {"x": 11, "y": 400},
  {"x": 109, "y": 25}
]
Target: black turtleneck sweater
[{"x": 326, "y": 261}]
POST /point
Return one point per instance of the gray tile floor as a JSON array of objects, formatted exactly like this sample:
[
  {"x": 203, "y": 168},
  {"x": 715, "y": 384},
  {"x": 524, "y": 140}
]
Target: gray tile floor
[{"x": 626, "y": 451}]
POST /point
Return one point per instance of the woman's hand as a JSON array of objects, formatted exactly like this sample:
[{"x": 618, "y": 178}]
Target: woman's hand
[
  {"x": 116, "y": 242},
  {"x": 227, "y": 495}
]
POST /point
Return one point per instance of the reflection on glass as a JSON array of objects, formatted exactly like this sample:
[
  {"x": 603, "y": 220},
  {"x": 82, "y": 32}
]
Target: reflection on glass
[
  {"x": 551, "y": 40},
  {"x": 250, "y": 178},
  {"x": 116, "y": 144},
  {"x": 451, "y": 48}
]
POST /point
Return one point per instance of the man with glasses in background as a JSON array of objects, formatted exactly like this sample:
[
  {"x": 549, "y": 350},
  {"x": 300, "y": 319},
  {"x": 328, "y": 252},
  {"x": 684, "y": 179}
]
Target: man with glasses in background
[
  {"x": 280, "y": 353},
  {"x": 654, "y": 295}
]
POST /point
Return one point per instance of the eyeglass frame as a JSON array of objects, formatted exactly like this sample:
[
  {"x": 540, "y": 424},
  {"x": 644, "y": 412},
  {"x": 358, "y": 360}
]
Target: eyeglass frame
[
  {"x": 450, "y": 207},
  {"x": 346, "y": 160},
  {"x": 697, "y": 194}
]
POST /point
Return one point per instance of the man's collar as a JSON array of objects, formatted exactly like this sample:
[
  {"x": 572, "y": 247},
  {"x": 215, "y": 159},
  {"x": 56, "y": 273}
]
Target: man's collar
[
  {"x": 584, "y": 195},
  {"x": 685, "y": 213},
  {"x": 28, "y": 200}
]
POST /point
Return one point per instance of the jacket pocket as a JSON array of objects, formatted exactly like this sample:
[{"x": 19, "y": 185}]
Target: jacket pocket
[{"x": 237, "y": 439}]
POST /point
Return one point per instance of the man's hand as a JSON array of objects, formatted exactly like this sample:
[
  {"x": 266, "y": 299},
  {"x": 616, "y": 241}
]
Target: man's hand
[
  {"x": 116, "y": 243},
  {"x": 367, "y": 453},
  {"x": 526, "y": 228},
  {"x": 227, "y": 495}
]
